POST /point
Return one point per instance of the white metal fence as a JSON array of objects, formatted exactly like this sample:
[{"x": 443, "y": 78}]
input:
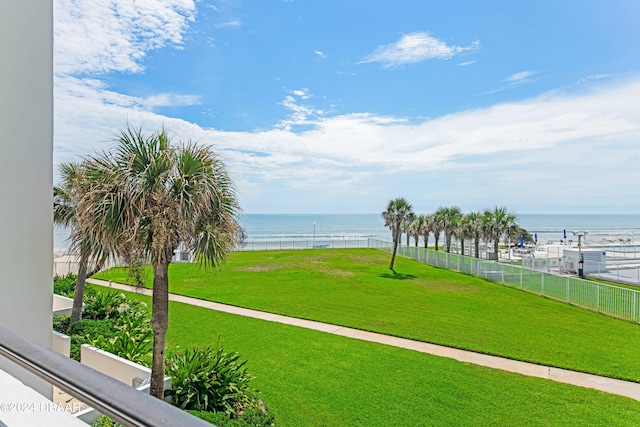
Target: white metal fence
[
  {"x": 275, "y": 245},
  {"x": 607, "y": 299},
  {"x": 69, "y": 264}
]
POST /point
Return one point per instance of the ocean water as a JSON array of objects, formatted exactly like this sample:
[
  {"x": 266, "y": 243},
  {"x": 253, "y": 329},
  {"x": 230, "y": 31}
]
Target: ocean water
[{"x": 322, "y": 227}]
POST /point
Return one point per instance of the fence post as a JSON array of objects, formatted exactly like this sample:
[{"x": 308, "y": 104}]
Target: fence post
[
  {"x": 542, "y": 284},
  {"x": 635, "y": 306},
  {"x": 598, "y": 297},
  {"x": 568, "y": 290},
  {"x": 521, "y": 270}
]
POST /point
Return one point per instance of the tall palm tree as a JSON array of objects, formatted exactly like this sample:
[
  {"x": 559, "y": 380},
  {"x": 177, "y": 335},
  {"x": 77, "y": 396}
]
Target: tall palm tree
[
  {"x": 416, "y": 228},
  {"x": 65, "y": 199},
  {"x": 426, "y": 229},
  {"x": 148, "y": 196},
  {"x": 398, "y": 210},
  {"x": 407, "y": 225},
  {"x": 461, "y": 230},
  {"x": 475, "y": 228},
  {"x": 437, "y": 223},
  {"x": 512, "y": 233},
  {"x": 496, "y": 223},
  {"x": 450, "y": 217}
]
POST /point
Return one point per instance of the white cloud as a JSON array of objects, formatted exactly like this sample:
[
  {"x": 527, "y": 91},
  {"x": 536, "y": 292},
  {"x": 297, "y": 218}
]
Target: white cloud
[
  {"x": 595, "y": 77},
  {"x": 98, "y": 36},
  {"x": 302, "y": 93},
  {"x": 300, "y": 114},
  {"x": 546, "y": 123},
  {"x": 169, "y": 100},
  {"x": 415, "y": 47},
  {"x": 532, "y": 148},
  {"x": 464, "y": 64},
  {"x": 522, "y": 76},
  {"x": 513, "y": 81},
  {"x": 234, "y": 23},
  {"x": 320, "y": 54},
  {"x": 528, "y": 150}
]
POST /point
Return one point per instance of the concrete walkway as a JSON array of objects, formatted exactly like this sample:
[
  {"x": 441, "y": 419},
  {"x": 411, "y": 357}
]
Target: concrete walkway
[{"x": 608, "y": 385}]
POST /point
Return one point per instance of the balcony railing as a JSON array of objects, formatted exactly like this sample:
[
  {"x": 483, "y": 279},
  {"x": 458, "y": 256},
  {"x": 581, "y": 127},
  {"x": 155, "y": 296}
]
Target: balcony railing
[{"x": 114, "y": 399}]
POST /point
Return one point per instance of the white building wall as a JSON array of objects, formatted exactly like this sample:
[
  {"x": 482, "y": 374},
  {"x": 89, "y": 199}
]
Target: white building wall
[{"x": 26, "y": 147}]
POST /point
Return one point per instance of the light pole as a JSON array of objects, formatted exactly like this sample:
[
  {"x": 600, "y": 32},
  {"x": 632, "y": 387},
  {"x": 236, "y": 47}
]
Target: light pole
[
  {"x": 314, "y": 234},
  {"x": 580, "y": 235}
]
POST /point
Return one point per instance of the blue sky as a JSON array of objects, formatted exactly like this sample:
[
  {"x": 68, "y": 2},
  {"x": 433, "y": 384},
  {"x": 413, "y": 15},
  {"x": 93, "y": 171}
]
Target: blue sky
[{"x": 339, "y": 106}]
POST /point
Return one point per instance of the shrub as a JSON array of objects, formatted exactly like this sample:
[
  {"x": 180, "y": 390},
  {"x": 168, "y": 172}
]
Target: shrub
[
  {"x": 104, "y": 304},
  {"x": 61, "y": 322},
  {"x": 92, "y": 327},
  {"x": 258, "y": 417},
  {"x": 118, "y": 325},
  {"x": 64, "y": 286},
  {"x": 209, "y": 379},
  {"x": 85, "y": 330},
  {"x": 132, "y": 338},
  {"x": 221, "y": 419},
  {"x": 105, "y": 421}
]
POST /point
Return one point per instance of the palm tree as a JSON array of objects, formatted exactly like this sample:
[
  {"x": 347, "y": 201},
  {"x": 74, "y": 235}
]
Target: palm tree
[
  {"x": 515, "y": 232},
  {"x": 416, "y": 228},
  {"x": 407, "y": 225},
  {"x": 147, "y": 197},
  {"x": 495, "y": 225},
  {"x": 398, "y": 210},
  {"x": 475, "y": 229},
  {"x": 449, "y": 217},
  {"x": 426, "y": 228},
  {"x": 65, "y": 198},
  {"x": 437, "y": 224},
  {"x": 512, "y": 233},
  {"x": 461, "y": 230}
]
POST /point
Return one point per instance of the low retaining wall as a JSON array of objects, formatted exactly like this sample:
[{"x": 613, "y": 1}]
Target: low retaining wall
[
  {"x": 61, "y": 343},
  {"x": 117, "y": 368},
  {"x": 62, "y": 305}
]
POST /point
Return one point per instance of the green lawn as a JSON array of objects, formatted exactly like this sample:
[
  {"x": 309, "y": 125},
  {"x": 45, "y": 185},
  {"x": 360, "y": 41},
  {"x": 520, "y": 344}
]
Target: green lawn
[
  {"x": 355, "y": 288},
  {"x": 309, "y": 378}
]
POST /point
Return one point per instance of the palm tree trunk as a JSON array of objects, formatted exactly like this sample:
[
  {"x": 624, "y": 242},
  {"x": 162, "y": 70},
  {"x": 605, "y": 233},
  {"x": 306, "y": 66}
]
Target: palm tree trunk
[
  {"x": 496, "y": 248},
  {"x": 476, "y": 243},
  {"x": 462, "y": 247},
  {"x": 159, "y": 323},
  {"x": 396, "y": 242},
  {"x": 78, "y": 293}
]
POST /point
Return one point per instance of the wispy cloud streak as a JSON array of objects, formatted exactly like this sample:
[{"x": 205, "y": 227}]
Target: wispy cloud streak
[{"x": 413, "y": 48}]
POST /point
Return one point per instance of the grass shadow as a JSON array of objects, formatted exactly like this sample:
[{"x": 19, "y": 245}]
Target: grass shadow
[{"x": 398, "y": 276}]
